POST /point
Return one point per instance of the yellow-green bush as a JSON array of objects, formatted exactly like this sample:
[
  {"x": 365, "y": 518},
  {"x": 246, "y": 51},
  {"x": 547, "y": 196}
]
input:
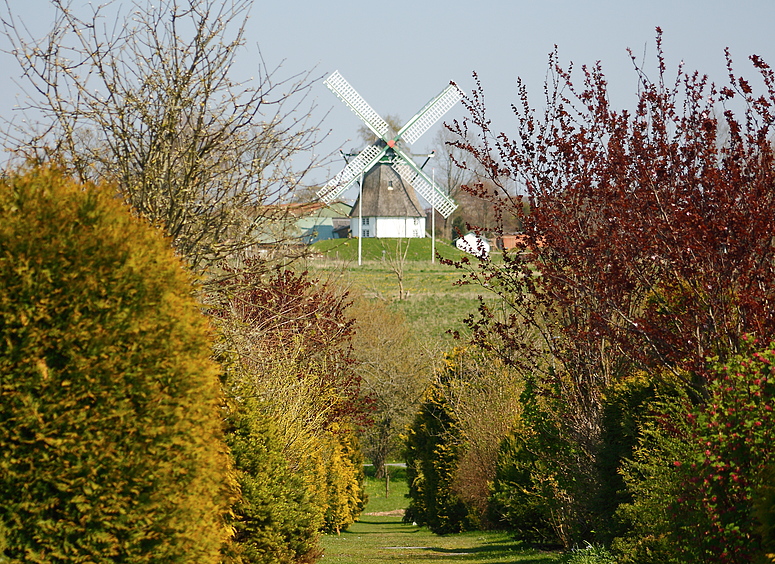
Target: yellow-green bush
[
  {"x": 345, "y": 497},
  {"x": 110, "y": 439},
  {"x": 277, "y": 519}
]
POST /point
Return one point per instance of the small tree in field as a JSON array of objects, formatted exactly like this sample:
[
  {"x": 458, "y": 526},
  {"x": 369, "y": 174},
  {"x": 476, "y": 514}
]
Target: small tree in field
[
  {"x": 396, "y": 261},
  {"x": 648, "y": 242},
  {"x": 111, "y": 444}
]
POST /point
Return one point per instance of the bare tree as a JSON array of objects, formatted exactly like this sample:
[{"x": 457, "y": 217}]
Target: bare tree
[
  {"x": 396, "y": 259},
  {"x": 395, "y": 367},
  {"x": 394, "y": 126},
  {"x": 145, "y": 99}
]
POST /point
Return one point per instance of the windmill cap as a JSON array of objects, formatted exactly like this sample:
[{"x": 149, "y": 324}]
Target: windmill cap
[{"x": 391, "y": 143}]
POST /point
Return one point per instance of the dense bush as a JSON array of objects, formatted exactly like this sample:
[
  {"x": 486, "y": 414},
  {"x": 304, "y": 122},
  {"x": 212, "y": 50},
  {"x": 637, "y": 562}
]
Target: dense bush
[
  {"x": 345, "y": 494},
  {"x": 517, "y": 502},
  {"x": 110, "y": 438},
  {"x": 277, "y": 518},
  {"x": 701, "y": 475},
  {"x": 624, "y": 410},
  {"x": 530, "y": 492},
  {"x": 432, "y": 451},
  {"x": 483, "y": 397}
]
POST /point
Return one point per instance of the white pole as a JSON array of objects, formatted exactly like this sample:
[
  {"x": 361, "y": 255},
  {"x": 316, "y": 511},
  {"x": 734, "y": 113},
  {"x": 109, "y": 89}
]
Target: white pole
[
  {"x": 433, "y": 221},
  {"x": 360, "y": 221}
]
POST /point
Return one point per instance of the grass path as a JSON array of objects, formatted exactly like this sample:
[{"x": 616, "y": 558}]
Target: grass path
[{"x": 383, "y": 538}]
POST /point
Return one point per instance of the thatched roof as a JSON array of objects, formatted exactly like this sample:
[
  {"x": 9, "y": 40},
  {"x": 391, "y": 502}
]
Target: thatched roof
[{"x": 386, "y": 195}]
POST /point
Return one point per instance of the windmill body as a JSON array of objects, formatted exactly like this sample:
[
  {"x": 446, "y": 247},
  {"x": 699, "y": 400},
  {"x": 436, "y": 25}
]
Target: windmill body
[{"x": 388, "y": 205}]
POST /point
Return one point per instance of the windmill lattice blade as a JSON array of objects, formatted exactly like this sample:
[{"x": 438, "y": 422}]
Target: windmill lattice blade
[
  {"x": 339, "y": 183},
  {"x": 430, "y": 114},
  {"x": 339, "y": 86},
  {"x": 426, "y": 188}
]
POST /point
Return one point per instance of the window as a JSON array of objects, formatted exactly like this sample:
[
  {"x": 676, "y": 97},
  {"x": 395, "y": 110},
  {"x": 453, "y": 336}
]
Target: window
[
  {"x": 365, "y": 221},
  {"x": 366, "y": 233},
  {"x": 417, "y": 221},
  {"x": 415, "y": 233}
]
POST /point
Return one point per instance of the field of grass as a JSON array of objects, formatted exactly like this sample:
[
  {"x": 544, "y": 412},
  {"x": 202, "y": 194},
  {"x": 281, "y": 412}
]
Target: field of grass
[
  {"x": 383, "y": 538},
  {"x": 378, "y": 249},
  {"x": 394, "y": 499},
  {"x": 435, "y": 304}
]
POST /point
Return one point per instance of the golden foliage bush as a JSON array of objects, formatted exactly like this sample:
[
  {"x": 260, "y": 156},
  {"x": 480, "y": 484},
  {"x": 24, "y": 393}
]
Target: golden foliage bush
[{"x": 110, "y": 438}]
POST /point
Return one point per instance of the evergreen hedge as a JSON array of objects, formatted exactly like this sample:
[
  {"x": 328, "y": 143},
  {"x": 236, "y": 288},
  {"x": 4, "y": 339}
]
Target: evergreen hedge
[
  {"x": 277, "y": 519},
  {"x": 432, "y": 451},
  {"x": 346, "y": 496},
  {"x": 110, "y": 439}
]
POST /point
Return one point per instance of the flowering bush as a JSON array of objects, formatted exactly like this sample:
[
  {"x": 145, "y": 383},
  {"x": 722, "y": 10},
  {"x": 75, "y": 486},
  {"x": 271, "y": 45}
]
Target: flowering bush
[{"x": 700, "y": 475}]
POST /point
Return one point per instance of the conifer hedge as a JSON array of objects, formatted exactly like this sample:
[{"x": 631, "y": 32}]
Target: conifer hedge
[
  {"x": 277, "y": 519},
  {"x": 432, "y": 452},
  {"x": 110, "y": 440}
]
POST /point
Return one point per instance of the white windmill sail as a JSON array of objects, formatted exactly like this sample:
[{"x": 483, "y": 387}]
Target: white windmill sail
[
  {"x": 339, "y": 86},
  {"x": 430, "y": 114},
  {"x": 362, "y": 163},
  {"x": 423, "y": 185}
]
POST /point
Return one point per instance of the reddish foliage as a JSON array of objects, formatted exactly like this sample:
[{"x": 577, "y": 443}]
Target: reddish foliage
[
  {"x": 286, "y": 309},
  {"x": 651, "y": 230}
]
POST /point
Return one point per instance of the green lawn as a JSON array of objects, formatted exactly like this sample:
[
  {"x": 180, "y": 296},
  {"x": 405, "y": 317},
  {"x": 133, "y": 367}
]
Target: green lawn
[
  {"x": 436, "y": 304},
  {"x": 377, "y": 538},
  {"x": 378, "y": 249},
  {"x": 395, "y": 498},
  {"x": 385, "y": 539}
]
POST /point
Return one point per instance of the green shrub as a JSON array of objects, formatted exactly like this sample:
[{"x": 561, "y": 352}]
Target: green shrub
[
  {"x": 535, "y": 475},
  {"x": 276, "y": 520},
  {"x": 110, "y": 438},
  {"x": 346, "y": 496},
  {"x": 700, "y": 469},
  {"x": 764, "y": 510},
  {"x": 590, "y": 554},
  {"x": 623, "y": 413},
  {"x": 431, "y": 458},
  {"x": 516, "y": 502}
]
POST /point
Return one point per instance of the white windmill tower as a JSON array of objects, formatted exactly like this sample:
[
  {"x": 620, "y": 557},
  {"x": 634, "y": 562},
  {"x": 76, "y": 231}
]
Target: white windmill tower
[{"x": 387, "y": 205}]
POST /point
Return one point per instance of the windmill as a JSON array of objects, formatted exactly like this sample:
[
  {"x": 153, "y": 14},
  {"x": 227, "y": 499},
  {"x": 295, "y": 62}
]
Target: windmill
[{"x": 385, "y": 166}]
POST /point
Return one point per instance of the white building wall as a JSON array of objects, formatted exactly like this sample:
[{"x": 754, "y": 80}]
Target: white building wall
[
  {"x": 415, "y": 227},
  {"x": 385, "y": 227},
  {"x": 369, "y": 226}
]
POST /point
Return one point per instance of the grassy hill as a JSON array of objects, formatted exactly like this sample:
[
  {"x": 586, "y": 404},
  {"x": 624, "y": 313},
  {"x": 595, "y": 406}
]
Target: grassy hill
[
  {"x": 377, "y": 249},
  {"x": 436, "y": 303}
]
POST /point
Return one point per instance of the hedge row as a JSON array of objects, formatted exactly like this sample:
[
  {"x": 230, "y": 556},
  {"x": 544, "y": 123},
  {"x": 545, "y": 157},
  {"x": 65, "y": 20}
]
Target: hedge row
[{"x": 117, "y": 443}]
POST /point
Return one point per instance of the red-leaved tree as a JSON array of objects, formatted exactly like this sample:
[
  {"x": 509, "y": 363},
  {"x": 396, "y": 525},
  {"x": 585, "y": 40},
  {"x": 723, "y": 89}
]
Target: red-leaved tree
[
  {"x": 647, "y": 240},
  {"x": 290, "y": 319}
]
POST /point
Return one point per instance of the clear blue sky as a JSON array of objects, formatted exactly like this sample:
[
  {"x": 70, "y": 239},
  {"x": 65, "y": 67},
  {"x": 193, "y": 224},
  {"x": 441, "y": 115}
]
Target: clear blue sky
[{"x": 398, "y": 54}]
